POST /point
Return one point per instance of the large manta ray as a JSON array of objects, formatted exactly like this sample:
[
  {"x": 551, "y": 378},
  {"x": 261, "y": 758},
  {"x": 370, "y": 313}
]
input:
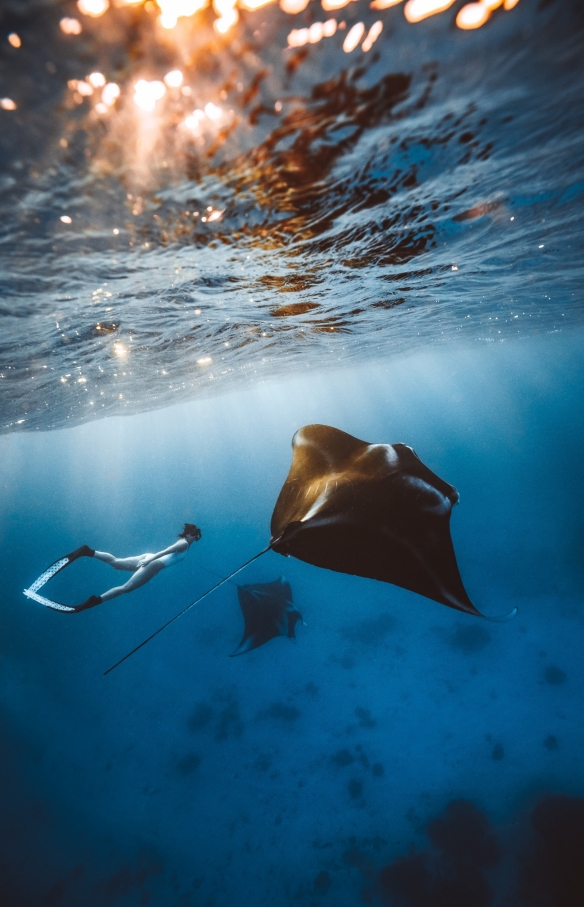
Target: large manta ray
[{"x": 371, "y": 510}]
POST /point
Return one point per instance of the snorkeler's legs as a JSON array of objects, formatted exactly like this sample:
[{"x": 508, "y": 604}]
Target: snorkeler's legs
[
  {"x": 121, "y": 563},
  {"x": 140, "y": 577}
]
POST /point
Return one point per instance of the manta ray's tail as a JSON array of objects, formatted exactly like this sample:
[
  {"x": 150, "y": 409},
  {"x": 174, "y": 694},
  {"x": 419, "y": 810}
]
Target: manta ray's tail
[{"x": 502, "y": 618}]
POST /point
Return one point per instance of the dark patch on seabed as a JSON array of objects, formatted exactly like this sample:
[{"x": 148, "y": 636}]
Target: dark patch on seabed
[
  {"x": 468, "y": 638},
  {"x": 542, "y": 867}
]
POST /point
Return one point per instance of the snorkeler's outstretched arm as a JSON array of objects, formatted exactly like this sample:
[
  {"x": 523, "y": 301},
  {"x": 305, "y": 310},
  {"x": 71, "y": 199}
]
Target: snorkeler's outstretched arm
[{"x": 180, "y": 545}]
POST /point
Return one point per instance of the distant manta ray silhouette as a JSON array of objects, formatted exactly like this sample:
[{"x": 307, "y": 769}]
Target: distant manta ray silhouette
[
  {"x": 268, "y": 611},
  {"x": 372, "y": 510}
]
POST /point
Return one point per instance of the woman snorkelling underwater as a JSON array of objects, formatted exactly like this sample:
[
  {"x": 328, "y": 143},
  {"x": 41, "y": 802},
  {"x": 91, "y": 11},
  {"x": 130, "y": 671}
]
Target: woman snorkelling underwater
[{"x": 143, "y": 567}]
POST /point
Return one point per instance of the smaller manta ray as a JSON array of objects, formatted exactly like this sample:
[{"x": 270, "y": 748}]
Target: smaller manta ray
[{"x": 268, "y": 611}]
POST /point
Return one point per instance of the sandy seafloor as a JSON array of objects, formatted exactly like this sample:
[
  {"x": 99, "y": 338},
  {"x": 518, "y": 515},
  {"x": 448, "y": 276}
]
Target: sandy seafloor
[{"x": 299, "y": 773}]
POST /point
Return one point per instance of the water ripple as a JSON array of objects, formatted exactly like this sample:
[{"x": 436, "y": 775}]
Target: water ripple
[{"x": 430, "y": 193}]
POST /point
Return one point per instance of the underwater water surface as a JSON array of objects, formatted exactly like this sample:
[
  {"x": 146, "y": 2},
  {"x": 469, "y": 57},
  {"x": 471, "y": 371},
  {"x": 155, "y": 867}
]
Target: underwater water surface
[{"x": 384, "y": 240}]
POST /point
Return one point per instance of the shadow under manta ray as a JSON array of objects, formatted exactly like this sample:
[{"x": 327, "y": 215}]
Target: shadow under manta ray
[
  {"x": 268, "y": 611},
  {"x": 371, "y": 510}
]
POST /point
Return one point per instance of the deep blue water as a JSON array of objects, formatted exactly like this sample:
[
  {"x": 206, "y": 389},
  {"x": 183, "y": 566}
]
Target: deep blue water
[
  {"x": 399, "y": 255},
  {"x": 187, "y": 777}
]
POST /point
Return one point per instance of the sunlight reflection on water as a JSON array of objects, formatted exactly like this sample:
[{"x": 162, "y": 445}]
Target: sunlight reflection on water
[{"x": 162, "y": 188}]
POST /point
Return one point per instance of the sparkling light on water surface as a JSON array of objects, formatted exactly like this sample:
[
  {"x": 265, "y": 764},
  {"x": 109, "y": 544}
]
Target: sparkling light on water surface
[{"x": 277, "y": 197}]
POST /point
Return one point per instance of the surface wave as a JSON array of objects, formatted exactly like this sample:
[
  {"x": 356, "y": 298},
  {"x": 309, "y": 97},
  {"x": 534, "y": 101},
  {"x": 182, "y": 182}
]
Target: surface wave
[{"x": 432, "y": 192}]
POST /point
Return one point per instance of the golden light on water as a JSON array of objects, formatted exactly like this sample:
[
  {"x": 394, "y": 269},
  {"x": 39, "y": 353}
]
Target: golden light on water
[
  {"x": 416, "y": 10},
  {"x": 174, "y": 78},
  {"x": 172, "y": 10},
  {"x": 83, "y": 87},
  {"x": 120, "y": 350},
  {"x": 146, "y": 94},
  {"x": 228, "y": 15},
  {"x": 224, "y": 23},
  {"x": 372, "y": 36},
  {"x": 354, "y": 37},
  {"x": 212, "y": 111},
  {"x": 330, "y": 5},
  {"x": 93, "y": 8},
  {"x": 192, "y": 121},
  {"x": 110, "y": 94},
  {"x": 317, "y": 31},
  {"x": 166, "y": 91},
  {"x": 70, "y": 26},
  {"x": 96, "y": 79},
  {"x": 473, "y": 15},
  {"x": 255, "y": 4},
  {"x": 14, "y": 39},
  {"x": 293, "y": 6}
]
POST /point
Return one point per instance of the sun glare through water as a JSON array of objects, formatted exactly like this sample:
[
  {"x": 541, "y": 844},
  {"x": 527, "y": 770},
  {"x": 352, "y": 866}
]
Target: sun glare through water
[
  {"x": 157, "y": 90},
  {"x": 232, "y": 126}
]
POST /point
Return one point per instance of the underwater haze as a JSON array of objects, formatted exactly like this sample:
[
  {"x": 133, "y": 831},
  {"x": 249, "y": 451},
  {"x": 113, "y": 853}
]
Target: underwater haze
[{"x": 387, "y": 239}]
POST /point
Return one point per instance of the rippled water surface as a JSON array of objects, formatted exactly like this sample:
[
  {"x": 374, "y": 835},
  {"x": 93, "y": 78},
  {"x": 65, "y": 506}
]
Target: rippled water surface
[{"x": 342, "y": 207}]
